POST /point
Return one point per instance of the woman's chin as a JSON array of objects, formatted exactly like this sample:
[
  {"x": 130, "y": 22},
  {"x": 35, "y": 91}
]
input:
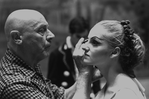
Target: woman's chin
[{"x": 86, "y": 62}]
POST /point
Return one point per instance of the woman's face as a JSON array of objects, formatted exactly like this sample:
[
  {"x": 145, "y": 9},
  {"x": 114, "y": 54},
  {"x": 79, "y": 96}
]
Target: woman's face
[{"x": 97, "y": 50}]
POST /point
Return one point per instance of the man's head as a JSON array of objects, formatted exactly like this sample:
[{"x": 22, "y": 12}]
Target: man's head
[
  {"x": 78, "y": 27},
  {"x": 28, "y": 34}
]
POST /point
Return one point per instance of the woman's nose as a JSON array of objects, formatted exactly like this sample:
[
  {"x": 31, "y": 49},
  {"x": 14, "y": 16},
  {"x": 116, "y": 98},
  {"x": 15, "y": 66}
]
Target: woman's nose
[
  {"x": 49, "y": 36},
  {"x": 85, "y": 47}
]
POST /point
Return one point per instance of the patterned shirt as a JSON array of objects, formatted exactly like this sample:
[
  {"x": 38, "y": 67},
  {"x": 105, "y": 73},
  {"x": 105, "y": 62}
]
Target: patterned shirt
[{"x": 19, "y": 81}]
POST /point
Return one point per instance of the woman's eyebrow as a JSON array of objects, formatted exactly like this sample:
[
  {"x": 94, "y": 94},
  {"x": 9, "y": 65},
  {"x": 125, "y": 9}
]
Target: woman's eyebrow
[{"x": 97, "y": 38}]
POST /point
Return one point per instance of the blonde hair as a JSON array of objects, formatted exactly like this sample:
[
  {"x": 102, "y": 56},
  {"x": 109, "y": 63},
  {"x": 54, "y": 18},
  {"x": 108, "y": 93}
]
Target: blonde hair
[{"x": 132, "y": 47}]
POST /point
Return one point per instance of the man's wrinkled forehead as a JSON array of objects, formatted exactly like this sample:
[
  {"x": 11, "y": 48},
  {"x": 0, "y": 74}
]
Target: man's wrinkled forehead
[
  {"x": 29, "y": 18},
  {"x": 26, "y": 14}
]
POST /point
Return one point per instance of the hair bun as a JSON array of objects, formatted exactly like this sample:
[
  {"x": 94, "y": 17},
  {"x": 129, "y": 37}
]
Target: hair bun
[
  {"x": 125, "y": 22},
  {"x": 127, "y": 30}
]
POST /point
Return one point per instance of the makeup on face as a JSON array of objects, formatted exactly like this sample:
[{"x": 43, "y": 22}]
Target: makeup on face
[{"x": 95, "y": 41}]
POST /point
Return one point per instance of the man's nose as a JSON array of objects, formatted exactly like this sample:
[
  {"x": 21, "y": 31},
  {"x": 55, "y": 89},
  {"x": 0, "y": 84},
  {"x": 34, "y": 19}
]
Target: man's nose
[{"x": 49, "y": 36}]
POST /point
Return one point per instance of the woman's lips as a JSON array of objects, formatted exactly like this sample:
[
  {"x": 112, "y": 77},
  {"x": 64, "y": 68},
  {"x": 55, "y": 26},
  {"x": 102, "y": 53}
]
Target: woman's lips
[{"x": 86, "y": 55}]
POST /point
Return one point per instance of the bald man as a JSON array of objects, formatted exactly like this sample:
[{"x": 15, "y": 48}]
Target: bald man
[{"x": 29, "y": 41}]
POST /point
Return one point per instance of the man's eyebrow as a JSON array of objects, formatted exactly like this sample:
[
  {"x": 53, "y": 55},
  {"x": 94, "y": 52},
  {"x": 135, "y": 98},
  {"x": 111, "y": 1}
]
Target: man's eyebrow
[{"x": 40, "y": 26}]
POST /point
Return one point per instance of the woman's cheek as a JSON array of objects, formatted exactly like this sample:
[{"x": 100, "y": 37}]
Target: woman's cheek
[{"x": 98, "y": 54}]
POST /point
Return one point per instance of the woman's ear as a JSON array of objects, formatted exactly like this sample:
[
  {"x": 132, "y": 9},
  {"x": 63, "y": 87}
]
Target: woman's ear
[
  {"x": 15, "y": 35},
  {"x": 115, "y": 52}
]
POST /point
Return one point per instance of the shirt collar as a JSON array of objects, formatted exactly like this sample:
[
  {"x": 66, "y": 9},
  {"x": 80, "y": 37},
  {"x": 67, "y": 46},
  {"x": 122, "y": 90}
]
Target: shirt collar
[
  {"x": 18, "y": 63},
  {"x": 69, "y": 43}
]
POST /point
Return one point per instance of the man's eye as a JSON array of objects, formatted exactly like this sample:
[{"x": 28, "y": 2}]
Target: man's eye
[{"x": 41, "y": 31}]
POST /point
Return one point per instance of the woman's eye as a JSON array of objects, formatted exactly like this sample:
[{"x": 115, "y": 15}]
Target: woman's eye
[{"x": 95, "y": 43}]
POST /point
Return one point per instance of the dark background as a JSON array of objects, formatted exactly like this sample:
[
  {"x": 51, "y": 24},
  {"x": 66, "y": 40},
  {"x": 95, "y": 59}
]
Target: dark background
[{"x": 59, "y": 12}]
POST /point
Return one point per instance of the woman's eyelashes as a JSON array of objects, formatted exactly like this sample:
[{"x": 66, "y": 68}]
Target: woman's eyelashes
[{"x": 95, "y": 41}]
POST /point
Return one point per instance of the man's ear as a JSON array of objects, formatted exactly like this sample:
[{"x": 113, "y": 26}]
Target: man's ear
[
  {"x": 115, "y": 52},
  {"x": 15, "y": 35}
]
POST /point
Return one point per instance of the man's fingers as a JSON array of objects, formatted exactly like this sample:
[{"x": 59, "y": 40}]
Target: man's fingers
[
  {"x": 78, "y": 45},
  {"x": 96, "y": 74},
  {"x": 78, "y": 50}
]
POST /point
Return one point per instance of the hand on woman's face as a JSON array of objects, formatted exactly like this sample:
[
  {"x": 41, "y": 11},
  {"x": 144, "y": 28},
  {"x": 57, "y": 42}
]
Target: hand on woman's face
[
  {"x": 77, "y": 55},
  {"x": 78, "y": 51}
]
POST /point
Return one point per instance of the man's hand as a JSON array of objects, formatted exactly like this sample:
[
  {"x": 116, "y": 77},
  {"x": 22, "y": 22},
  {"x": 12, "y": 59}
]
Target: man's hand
[
  {"x": 96, "y": 74},
  {"x": 78, "y": 57}
]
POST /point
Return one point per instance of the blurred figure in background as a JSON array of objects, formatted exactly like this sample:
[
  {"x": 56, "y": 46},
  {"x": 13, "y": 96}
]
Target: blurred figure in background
[{"x": 62, "y": 70}]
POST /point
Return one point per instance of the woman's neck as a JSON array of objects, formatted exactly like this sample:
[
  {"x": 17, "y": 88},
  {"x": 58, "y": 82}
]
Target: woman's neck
[{"x": 111, "y": 73}]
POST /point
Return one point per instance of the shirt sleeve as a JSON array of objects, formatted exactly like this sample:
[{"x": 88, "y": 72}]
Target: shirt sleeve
[
  {"x": 20, "y": 91},
  {"x": 57, "y": 91}
]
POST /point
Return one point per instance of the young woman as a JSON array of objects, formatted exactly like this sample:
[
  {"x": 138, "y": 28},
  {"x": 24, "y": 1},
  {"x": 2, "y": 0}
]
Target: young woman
[{"x": 115, "y": 49}]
